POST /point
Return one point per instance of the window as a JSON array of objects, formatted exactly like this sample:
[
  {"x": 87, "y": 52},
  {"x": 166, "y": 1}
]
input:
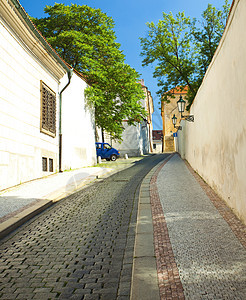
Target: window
[
  {"x": 44, "y": 164},
  {"x": 48, "y": 110},
  {"x": 107, "y": 146},
  {"x": 51, "y": 168}
]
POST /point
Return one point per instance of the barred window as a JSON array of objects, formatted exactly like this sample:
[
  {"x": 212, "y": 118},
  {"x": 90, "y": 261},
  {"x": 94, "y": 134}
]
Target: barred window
[
  {"x": 48, "y": 110},
  {"x": 51, "y": 165},
  {"x": 44, "y": 164}
]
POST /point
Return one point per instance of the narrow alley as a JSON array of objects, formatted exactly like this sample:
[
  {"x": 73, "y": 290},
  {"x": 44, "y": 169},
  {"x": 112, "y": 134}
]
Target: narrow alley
[{"x": 96, "y": 243}]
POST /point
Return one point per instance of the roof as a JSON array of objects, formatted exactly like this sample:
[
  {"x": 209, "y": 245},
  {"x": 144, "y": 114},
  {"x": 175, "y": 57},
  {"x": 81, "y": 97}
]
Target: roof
[
  {"x": 233, "y": 2},
  {"x": 157, "y": 134},
  {"x": 179, "y": 90},
  {"x": 43, "y": 40},
  {"x": 38, "y": 34}
]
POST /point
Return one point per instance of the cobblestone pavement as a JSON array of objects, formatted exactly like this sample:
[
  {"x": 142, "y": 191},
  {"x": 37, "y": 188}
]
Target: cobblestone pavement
[
  {"x": 203, "y": 251},
  {"x": 81, "y": 248}
]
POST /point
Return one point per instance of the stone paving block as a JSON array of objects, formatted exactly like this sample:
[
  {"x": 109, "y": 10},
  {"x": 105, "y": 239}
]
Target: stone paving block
[
  {"x": 125, "y": 289},
  {"x": 44, "y": 296},
  {"x": 7, "y": 290},
  {"x": 144, "y": 200},
  {"x": 76, "y": 297},
  {"x": 145, "y": 245},
  {"x": 144, "y": 213},
  {"x": 82, "y": 291},
  {"x": 144, "y": 195},
  {"x": 145, "y": 282},
  {"x": 92, "y": 286},
  {"x": 108, "y": 291},
  {"x": 8, "y": 296},
  {"x": 92, "y": 297},
  {"x": 123, "y": 297}
]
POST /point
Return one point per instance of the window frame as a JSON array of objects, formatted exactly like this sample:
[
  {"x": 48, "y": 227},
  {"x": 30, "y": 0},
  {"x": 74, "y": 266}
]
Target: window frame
[{"x": 46, "y": 128}]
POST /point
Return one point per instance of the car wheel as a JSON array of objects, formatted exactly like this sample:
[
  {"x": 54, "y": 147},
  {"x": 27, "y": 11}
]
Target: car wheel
[{"x": 113, "y": 157}]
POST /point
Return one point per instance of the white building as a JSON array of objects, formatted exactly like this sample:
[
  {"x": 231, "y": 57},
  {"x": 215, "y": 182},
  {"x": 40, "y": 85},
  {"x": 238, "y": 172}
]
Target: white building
[
  {"x": 157, "y": 136},
  {"x": 137, "y": 140},
  {"x": 78, "y": 127},
  {"x": 32, "y": 77}
]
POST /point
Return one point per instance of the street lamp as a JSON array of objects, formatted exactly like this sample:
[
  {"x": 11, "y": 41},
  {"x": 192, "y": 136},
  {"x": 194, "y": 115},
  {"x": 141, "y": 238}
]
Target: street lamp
[
  {"x": 174, "y": 119},
  {"x": 181, "y": 107}
]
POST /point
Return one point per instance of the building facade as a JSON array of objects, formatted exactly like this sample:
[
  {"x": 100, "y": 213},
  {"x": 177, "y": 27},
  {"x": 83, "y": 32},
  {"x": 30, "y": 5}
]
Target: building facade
[
  {"x": 137, "y": 140},
  {"x": 157, "y": 137},
  {"x": 168, "y": 110},
  {"x": 32, "y": 78}
]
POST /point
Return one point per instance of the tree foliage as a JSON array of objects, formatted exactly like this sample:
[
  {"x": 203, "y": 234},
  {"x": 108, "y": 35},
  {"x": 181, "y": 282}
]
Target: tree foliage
[
  {"x": 182, "y": 48},
  {"x": 84, "y": 38}
]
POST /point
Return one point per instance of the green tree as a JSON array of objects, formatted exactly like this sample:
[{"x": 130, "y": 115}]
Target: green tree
[
  {"x": 85, "y": 39},
  {"x": 119, "y": 95},
  {"x": 181, "y": 49},
  {"x": 207, "y": 34}
]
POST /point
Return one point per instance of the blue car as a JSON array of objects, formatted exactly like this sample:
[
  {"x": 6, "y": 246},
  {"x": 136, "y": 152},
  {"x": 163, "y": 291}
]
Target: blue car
[{"x": 106, "y": 151}]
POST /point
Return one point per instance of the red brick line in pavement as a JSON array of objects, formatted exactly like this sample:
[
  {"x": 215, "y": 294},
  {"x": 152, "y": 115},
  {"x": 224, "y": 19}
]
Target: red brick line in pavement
[
  {"x": 238, "y": 228},
  {"x": 170, "y": 285}
]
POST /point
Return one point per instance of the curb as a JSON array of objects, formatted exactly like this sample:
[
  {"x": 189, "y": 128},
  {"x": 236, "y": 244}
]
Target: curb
[
  {"x": 144, "y": 272},
  {"x": 19, "y": 219}
]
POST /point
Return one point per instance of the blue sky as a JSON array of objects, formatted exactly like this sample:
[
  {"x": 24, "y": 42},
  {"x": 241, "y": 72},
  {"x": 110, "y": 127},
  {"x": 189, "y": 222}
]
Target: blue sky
[{"x": 130, "y": 17}]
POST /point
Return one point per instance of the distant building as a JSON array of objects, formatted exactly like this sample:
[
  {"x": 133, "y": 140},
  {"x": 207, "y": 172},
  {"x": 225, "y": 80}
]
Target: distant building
[
  {"x": 167, "y": 112},
  {"x": 137, "y": 140},
  {"x": 157, "y": 136}
]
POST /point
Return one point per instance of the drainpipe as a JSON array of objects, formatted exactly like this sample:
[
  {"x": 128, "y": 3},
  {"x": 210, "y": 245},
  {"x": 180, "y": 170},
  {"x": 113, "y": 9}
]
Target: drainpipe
[
  {"x": 69, "y": 74},
  {"x": 150, "y": 118}
]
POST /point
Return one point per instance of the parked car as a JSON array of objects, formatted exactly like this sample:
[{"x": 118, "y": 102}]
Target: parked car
[{"x": 106, "y": 151}]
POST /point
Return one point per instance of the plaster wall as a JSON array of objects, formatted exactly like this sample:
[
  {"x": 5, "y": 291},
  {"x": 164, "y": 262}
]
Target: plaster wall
[
  {"x": 78, "y": 130},
  {"x": 22, "y": 145},
  {"x": 135, "y": 140},
  {"x": 131, "y": 143},
  {"x": 157, "y": 146},
  {"x": 215, "y": 144}
]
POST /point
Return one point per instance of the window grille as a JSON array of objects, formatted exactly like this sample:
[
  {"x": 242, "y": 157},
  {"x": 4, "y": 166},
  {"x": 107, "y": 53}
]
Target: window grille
[
  {"x": 48, "y": 110},
  {"x": 44, "y": 164},
  {"x": 51, "y": 168}
]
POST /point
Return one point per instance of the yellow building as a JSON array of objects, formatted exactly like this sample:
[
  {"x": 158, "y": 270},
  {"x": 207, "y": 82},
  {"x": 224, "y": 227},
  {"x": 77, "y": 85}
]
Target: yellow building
[
  {"x": 167, "y": 112},
  {"x": 149, "y": 108}
]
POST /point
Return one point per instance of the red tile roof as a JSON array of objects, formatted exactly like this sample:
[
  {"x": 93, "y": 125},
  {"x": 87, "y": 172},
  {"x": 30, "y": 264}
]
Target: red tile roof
[{"x": 179, "y": 90}]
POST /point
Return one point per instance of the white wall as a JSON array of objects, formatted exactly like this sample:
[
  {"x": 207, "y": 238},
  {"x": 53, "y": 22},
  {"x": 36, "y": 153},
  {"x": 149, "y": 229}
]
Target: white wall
[
  {"x": 215, "y": 144},
  {"x": 158, "y": 145},
  {"x": 21, "y": 143},
  {"x": 78, "y": 133},
  {"x": 131, "y": 141},
  {"x": 135, "y": 140}
]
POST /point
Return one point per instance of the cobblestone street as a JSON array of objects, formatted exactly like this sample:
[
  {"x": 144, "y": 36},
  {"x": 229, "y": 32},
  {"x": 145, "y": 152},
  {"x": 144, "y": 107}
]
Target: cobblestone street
[{"x": 82, "y": 247}]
